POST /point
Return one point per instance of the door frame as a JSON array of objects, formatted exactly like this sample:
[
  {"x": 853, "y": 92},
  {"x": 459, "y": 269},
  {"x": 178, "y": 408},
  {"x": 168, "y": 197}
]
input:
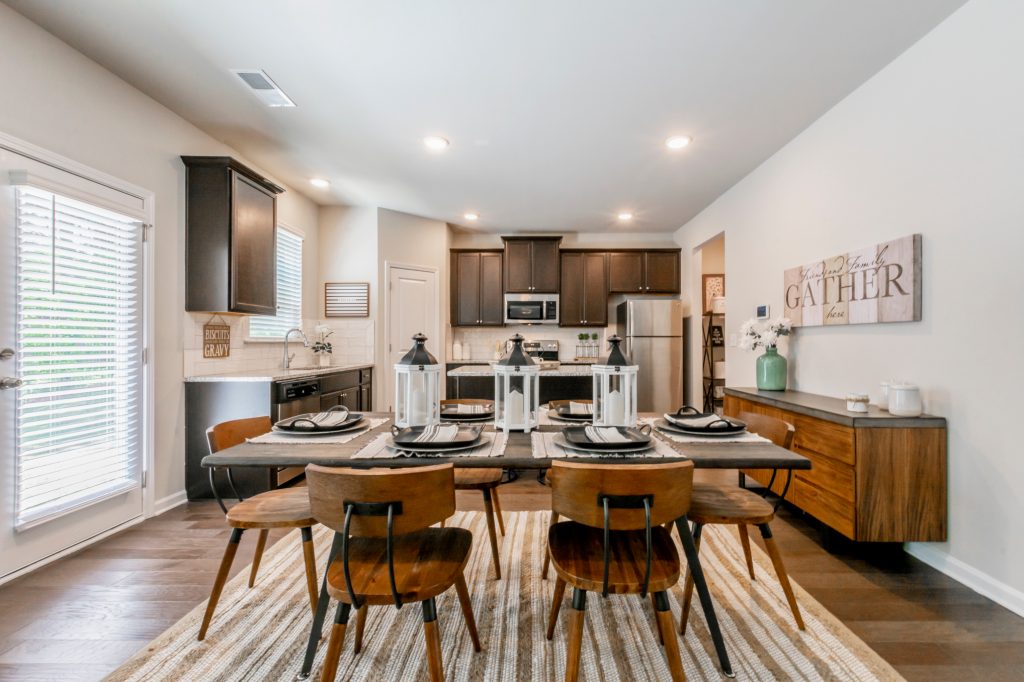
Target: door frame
[
  {"x": 148, "y": 197},
  {"x": 382, "y": 398}
]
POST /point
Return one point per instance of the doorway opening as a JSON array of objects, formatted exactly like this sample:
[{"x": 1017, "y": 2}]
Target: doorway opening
[{"x": 711, "y": 257}]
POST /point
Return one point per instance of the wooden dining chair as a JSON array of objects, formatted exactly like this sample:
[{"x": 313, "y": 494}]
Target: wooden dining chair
[
  {"x": 614, "y": 542},
  {"x": 487, "y": 482},
  {"x": 732, "y": 505},
  {"x": 385, "y": 550},
  {"x": 283, "y": 508}
]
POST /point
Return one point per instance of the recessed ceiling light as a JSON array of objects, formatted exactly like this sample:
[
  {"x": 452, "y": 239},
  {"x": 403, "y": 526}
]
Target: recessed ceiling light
[
  {"x": 470, "y": 216},
  {"x": 435, "y": 143},
  {"x": 678, "y": 141},
  {"x": 319, "y": 182},
  {"x": 625, "y": 217}
]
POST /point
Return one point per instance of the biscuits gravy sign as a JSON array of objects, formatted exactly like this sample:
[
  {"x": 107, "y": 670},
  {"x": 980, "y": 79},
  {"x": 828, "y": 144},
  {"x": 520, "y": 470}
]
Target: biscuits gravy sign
[{"x": 881, "y": 283}]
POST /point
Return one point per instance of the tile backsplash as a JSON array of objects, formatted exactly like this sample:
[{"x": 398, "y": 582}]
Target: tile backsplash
[
  {"x": 352, "y": 341},
  {"x": 481, "y": 342}
]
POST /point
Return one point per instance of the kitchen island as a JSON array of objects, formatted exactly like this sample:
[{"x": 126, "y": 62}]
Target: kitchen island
[{"x": 564, "y": 383}]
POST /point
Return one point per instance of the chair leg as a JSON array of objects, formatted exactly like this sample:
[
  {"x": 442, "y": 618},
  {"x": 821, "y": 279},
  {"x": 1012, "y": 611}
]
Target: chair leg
[
  {"x": 688, "y": 587},
  {"x": 575, "y": 646},
  {"x": 657, "y": 620},
  {"x": 309, "y": 558},
  {"x": 497, "y": 510},
  {"x": 433, "y": 637},
  {"x": 745, "y": 541},
  {"x": 360, "y": 626},
  {"x": 547, "y": 553},
  {"x": 218, "y": 582},
  {"x": 467, "y": 610},
  {"x": 780, "y": 570},
  {"x": 330, "y": 669},
  {"x": 489, "y": 513},
  {"x": 442, "y": 523},
  {"x": 261, "y": 544},
  {"x": 663, "y": 613},
  {"x": 556, "y": 605}
]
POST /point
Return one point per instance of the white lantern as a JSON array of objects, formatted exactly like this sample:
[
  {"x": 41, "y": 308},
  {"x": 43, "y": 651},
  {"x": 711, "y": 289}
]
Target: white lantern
[
  {"x": 417, "y": 387},
  {"x": 516, "y": 390},
  {"x": 615, "y": 388}
]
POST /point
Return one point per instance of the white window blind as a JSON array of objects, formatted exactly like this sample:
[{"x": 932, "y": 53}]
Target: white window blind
[
  {"x": 79, "y": 423},
  {"x": 289, "y": 290}
]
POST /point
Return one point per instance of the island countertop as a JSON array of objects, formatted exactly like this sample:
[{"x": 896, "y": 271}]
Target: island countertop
[{"x": 488, "y": 371}]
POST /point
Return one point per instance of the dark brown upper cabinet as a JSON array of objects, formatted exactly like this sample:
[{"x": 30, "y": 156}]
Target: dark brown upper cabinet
[
  {"x": 584, "y": 291},
  {"x": 531, "y": 265},
  {"x": 644, "y": 271},
  {"x": 230, "y": 233},
  {"x": 477, "y": 298}
]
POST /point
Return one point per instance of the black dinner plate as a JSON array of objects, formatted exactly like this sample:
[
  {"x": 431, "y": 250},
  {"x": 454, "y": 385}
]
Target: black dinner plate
[
  {"x": 303, "y": 423},
  {"x": 406, "y": 437},
  {"x": 577, "y": 437},
  {"x": 692, "y": 421}
]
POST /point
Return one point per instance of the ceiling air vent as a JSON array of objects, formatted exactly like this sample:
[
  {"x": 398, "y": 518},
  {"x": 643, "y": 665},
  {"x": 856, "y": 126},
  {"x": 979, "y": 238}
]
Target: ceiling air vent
[{"x": 264, "y": 88}]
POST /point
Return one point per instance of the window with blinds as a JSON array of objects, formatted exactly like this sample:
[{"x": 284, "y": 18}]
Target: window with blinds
[
  {"x": 289, "y": 290},
  {"x": 79, "y": 420}
]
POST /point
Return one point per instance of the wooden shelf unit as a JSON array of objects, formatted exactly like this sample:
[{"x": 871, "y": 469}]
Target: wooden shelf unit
[{"x": 875, "y": 477}]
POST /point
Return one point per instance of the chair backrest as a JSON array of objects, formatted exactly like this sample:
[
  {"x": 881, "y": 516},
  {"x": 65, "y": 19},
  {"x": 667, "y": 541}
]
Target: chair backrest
[
  {"x": 229, "y": 434},
  {"x": 422, "y": 496},
  {"x": 577, "y": 489},
  {"x": 776, "y": 430}
]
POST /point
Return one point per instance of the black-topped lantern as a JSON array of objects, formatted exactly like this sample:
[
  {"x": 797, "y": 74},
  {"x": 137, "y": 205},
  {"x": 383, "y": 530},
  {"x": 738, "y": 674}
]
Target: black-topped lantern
[
  {"x": 417, "y": 386},
  {"x": 615, "y": 388},
  {"x": 516, "y": 390}
]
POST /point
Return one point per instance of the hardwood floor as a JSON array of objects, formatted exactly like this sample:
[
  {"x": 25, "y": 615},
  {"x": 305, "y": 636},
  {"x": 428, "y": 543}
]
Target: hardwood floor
[{"x": 82, "y": 616}]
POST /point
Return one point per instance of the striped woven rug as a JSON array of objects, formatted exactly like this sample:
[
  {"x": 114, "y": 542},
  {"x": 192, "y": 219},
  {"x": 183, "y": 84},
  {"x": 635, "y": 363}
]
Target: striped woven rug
[{"x": 260, "y": 634}]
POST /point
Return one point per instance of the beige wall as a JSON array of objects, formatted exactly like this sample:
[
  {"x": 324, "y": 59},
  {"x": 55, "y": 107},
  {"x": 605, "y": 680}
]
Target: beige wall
[
  {"x": 56, "y": 98},
  {"x": 933, "y": 145}
]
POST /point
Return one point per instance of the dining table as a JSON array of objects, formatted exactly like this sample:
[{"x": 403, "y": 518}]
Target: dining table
[{"x": 518, "y": 453}]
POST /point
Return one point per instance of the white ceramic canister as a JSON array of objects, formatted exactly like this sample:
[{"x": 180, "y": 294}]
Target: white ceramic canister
[
  {"x": 905, "y": 400},
  {"x": 857, "y": 402},
  {"x": 883, "y": 404}
]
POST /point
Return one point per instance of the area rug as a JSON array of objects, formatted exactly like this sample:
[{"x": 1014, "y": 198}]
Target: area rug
[{"x": 260, "y": 633}]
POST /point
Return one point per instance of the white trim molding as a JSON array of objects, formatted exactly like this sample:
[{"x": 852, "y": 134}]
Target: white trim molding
[
  {"x": 168, "y": 503},
  {"x": 982, "y": 583}
]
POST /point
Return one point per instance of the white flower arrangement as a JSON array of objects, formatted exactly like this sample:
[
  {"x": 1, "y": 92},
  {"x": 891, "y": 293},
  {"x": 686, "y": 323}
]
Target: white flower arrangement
[{"x": 756, "y": 335}]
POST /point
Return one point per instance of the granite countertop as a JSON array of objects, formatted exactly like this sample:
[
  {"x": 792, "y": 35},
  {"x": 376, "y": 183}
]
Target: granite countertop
[
  {"x": 488, "y": 371},
  {"x": 834, "y": 409},
  {"x": 275, "y": 374}
]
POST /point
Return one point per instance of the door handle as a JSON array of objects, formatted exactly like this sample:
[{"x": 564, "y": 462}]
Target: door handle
[{"x": 9, "y": 383}]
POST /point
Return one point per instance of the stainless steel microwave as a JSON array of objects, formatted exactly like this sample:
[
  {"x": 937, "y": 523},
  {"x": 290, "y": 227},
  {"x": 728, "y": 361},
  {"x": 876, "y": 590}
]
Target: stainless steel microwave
[{"x": 531, "y": 308}]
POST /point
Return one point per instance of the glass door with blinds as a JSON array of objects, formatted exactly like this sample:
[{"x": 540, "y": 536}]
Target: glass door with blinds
[{"x": 72, "y": 397}]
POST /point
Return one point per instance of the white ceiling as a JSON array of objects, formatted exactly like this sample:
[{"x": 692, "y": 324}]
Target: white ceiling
[{"x": 557, "y": 110}]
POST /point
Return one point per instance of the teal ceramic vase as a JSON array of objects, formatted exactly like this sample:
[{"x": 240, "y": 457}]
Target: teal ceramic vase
[{"x": 771, "y": 371}]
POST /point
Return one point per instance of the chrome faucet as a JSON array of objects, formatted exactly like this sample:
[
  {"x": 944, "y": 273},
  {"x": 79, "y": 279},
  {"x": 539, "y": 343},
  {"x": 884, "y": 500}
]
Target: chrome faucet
[{"x": 287, "y": 359}]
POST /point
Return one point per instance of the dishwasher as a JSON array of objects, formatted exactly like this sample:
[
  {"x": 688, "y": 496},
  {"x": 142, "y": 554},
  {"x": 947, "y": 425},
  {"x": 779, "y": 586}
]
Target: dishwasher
[{"x": 292, "y": 398}]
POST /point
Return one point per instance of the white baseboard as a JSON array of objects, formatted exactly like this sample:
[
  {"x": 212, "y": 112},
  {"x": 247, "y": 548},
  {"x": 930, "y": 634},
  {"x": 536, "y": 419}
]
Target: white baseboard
[
  {"x": 170, "y": 502},
  {"x": 983, "y": 584}
]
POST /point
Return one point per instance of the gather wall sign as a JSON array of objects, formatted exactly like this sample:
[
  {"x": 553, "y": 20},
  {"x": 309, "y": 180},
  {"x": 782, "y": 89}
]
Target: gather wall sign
[{"x": 880, "y": 283}]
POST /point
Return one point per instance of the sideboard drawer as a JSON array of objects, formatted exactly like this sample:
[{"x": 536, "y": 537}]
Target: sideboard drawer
[
  {"x": 829, "y": 475},
  {"x": 824, "y": 506},
  {"x": 825, "y": 438}
]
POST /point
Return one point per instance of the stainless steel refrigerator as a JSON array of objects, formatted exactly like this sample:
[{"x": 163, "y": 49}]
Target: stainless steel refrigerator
[{"x": 653, "y": 333}]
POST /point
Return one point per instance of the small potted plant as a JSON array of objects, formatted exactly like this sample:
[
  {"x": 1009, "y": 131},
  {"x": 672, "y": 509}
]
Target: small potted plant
[
  {"x": 322, "y": 348},
  {"x": 772, "y": 368},
  {"x": 595, "y": 351}
]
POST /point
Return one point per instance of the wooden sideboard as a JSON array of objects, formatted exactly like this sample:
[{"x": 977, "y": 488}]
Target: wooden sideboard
[{"x": 875, "y": 477}]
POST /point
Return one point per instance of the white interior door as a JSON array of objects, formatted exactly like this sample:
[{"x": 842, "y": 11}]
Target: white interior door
[
  {"x": 72, "y": 437},
  {"x": 413, "y": 306}
]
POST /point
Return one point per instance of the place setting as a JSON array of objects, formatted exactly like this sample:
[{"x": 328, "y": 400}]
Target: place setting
[
  {"x": 690, "y": 425},
  {"x": 336, "y": 425},
  {"x": 467, "y": 410},
  {"x": 435, "y": 440}
]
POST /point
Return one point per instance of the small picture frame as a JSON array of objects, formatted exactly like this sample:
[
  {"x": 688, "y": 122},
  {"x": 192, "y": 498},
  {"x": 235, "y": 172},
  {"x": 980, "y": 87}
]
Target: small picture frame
[
  {"x": 714, "y": 285},
  {"x": 717, "y": 335},
  {"x": 762, "y": 312}
]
